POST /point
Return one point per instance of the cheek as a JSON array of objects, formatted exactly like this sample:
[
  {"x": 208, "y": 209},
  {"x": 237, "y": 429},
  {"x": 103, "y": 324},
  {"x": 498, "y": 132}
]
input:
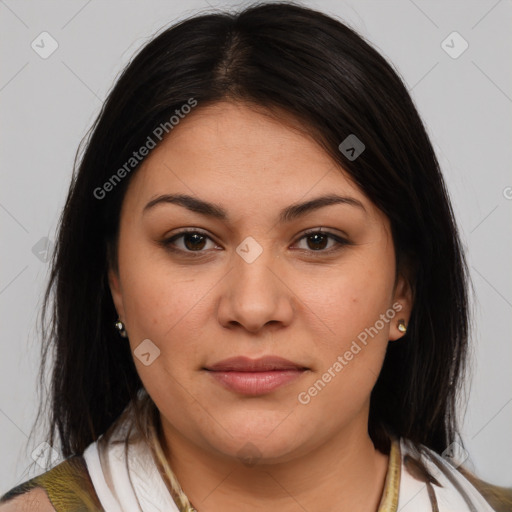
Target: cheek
[
  {"x": 164, "y": 309},
  {"x": 158, "y": 296},
  {"x": 351, "y": 355},
  {"x": 350, "y": 301}
]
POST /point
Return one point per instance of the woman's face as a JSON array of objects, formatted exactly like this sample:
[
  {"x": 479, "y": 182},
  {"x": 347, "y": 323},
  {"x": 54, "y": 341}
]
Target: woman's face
[{"x": 252, "y": 283}]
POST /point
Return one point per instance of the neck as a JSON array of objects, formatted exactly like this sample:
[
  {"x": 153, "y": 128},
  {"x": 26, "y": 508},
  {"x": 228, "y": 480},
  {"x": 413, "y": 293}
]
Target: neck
[{"x": 346, "y": 473}]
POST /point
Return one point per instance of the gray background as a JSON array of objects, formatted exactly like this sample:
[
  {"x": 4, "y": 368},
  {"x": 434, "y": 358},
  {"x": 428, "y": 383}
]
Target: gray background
[{"x": 48, "y": 104}]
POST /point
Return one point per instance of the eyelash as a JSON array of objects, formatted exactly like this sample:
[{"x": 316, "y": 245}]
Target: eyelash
[{"x": 340, "y": 242}]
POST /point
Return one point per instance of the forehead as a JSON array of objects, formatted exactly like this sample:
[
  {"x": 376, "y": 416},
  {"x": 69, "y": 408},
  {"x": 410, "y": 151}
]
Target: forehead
[
  {"x": 237, "y": 133},
  {"x": 236, "y": 154}
]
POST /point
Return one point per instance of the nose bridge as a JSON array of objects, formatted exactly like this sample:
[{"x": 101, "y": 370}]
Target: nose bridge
[
  {"x": 254, "y": 267},
  {"x": 255, "y": 294}
]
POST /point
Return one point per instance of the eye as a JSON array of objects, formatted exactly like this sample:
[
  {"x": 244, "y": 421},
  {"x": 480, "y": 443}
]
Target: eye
[
  {"x": 317, "y": 240},
  {"x": 194, "y": 241}
]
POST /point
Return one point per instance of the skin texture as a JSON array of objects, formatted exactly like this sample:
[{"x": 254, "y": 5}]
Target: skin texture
[{"x": 294, "y": 300}]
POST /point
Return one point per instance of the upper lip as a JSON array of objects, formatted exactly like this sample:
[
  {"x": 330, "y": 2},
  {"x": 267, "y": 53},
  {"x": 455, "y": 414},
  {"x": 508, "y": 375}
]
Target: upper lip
[{"x": 245, "y": 364}]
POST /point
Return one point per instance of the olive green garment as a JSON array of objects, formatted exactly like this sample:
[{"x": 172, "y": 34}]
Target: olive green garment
[{"x": 68, "y": 486}]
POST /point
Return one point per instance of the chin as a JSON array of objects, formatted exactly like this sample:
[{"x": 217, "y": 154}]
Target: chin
[
  {"x": 257, "y": 440},
  {"x": 252, "y": 451}
]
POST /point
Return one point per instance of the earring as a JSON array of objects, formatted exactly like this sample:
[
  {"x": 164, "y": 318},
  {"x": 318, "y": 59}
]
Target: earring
[
  {"x": 401, "y": 326},
  {"x": 120, "y": 328}
]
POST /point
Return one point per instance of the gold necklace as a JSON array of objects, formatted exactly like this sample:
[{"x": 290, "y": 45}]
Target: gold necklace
[{"x": 388, "y": 502}]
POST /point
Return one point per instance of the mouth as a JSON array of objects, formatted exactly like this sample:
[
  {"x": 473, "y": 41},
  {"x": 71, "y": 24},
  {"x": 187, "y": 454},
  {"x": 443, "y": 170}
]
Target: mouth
[{"x": 255, "y": 376}]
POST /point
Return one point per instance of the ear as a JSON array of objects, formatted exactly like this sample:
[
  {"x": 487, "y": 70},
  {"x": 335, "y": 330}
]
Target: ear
[
  {"x": 115, "y": 290},
  {"x": 403, "y": 299}
]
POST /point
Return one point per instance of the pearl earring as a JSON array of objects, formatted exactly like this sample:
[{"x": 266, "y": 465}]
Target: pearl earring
[
  {"x": 120, "y": 328},
  {"x": 401, "y": 326}
]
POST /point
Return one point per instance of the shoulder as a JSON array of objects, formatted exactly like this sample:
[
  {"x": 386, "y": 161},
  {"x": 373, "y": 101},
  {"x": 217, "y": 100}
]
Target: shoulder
[
  {"x": 499, "y": 498},
  {"x": 65, "y": 488},
  {"x": 35, "y": 500}
]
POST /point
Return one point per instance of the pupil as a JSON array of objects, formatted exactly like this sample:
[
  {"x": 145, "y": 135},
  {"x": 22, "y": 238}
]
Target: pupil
[
  {"x": 316, "y": 237},
  {"x": 196, "y": 237}
]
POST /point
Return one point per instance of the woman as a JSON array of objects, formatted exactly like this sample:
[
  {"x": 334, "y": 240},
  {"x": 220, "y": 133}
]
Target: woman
[{"x": 260, "y": 292}]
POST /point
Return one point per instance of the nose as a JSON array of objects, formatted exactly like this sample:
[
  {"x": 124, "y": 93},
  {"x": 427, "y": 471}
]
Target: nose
[{"x": 256, "y": 293}]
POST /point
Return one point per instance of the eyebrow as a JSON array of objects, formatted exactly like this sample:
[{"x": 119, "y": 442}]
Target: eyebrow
[{"x": 216, "y": 211}]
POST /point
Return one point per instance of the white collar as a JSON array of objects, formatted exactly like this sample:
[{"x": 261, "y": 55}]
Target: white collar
[{"x": 125, "y": 476}]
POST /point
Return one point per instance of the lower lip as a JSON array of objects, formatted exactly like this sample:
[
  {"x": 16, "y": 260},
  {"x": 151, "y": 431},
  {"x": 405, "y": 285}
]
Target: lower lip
[{"x": 255, "y": 383}]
